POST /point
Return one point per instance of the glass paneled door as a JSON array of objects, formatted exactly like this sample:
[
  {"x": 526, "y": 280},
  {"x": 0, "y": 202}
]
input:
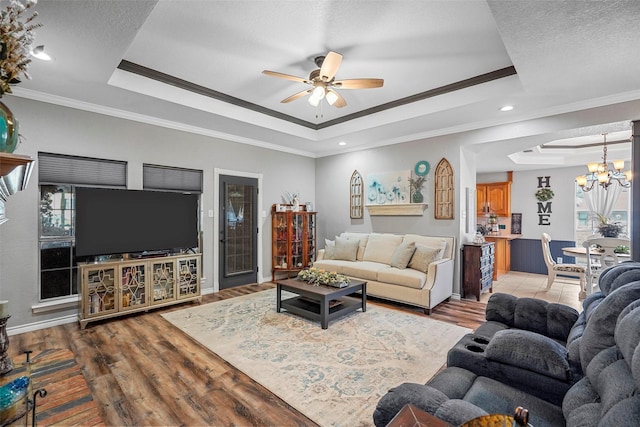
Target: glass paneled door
[{"x": 238, "y": 231}]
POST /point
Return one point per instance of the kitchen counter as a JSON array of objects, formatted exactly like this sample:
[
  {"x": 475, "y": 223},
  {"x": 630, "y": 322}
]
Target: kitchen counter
[
  {"x": 503, "y": 236},
  {"x": 502, "y": 263}
]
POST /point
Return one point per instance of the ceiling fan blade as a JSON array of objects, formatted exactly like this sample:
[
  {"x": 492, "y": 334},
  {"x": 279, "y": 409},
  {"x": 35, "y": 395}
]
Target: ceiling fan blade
[
  {"x": 284, "y": 76},
  {"x": 296, "y": 96},
  {"x": 330, "y": 66},
  {"x": 358, "y": 83},
  {"x": 339, "y": 102}
]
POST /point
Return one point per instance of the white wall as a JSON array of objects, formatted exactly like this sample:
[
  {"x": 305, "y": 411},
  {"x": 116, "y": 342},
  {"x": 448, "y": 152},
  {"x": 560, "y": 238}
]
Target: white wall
[{"x": 55, "y": 129}]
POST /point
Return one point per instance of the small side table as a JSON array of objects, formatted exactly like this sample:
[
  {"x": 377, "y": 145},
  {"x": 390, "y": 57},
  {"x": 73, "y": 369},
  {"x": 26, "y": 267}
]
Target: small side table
[{"x": 411, "y": 416}]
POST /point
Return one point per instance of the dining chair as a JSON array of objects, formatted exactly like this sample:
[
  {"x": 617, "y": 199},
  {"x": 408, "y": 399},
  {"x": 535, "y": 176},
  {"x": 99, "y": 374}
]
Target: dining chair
[
  {"x": 600, "y": 252},
  {"x": 554, "y": 268}
]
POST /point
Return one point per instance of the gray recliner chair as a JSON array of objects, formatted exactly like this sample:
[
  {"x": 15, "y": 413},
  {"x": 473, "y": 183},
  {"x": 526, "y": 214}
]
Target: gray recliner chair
[
  {"x": 541, "y": 370},
  {"x": 534, "y": 345}
]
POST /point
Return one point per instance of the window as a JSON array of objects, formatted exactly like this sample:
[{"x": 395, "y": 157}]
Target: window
[
  {"x": 614, "y": 203},
  {"x": 57, "y": 266},
  {"x": 167, "y": 178},
  {"x": 59, "y": 175}
]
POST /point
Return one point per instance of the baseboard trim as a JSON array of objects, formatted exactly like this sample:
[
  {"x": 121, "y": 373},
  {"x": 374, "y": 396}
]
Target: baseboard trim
[
  {"x": 456, "y": 297},
  {"x": 35, "y": 326}
]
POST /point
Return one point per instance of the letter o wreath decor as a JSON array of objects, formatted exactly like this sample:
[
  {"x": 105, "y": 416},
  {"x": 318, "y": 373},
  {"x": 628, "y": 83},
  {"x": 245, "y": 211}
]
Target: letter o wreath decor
[{"x": 422, "y": 168}]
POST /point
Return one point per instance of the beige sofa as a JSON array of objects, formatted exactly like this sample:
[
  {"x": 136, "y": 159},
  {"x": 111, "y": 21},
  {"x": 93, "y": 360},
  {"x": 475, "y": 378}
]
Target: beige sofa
[{"x": 410, "y": 268}]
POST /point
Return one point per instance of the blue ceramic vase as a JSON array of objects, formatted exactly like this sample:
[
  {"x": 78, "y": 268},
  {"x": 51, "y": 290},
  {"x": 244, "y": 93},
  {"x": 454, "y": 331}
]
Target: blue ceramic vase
[{"x": 8, "y": 130}]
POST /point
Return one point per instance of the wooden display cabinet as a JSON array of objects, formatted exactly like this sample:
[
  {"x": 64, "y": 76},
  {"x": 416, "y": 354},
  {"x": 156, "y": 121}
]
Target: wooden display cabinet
[
  {"x": 114, "y": 288},
  {"x": 293, "y": 239},
  {"x": 477, "y": 273}
]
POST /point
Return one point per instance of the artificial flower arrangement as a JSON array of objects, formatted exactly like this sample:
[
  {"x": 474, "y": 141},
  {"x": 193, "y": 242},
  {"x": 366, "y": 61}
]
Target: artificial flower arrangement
[
  {"x": 317, "y": 277},
  {"x": 16, "y": 37}
]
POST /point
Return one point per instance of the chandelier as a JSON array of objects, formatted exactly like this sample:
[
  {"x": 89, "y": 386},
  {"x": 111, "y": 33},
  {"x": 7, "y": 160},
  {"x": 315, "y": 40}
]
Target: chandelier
[{"x": 599, "y": 172}]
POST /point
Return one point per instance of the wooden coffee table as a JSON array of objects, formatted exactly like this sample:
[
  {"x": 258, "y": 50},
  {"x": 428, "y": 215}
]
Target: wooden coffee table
[{"x": 321, "y": 303}]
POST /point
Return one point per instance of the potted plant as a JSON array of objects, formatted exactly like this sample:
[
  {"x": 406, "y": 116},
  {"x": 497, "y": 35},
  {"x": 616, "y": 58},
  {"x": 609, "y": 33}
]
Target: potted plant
[
  {"x": 608, "y": 228},
  {"x": 415, "y": 185}
]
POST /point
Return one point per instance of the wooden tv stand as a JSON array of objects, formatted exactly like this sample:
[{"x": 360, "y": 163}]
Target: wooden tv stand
[{"x": 115, "y": 288}]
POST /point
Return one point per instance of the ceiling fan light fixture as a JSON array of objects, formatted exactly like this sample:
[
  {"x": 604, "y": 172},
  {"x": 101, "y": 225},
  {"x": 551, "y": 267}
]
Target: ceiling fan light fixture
[
  {"x": 314, "y": 100},
  {"x": 318, "y": 92},
  {"x": 332, "y": 97}
]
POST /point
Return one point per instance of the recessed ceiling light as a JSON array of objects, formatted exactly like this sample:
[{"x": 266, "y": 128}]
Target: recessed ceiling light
[
  {"x": 342, "y": 143},
  {"x": 38, "y": 52},
  {"x": 507, "y": 108}
]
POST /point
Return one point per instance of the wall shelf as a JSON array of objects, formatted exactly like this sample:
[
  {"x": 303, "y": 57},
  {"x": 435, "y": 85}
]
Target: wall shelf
[{"x": 415, "y": 209}]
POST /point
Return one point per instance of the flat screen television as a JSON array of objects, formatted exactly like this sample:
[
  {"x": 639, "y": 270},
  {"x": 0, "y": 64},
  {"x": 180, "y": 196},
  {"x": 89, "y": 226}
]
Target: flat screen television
[{"x": 112, "y": 221}]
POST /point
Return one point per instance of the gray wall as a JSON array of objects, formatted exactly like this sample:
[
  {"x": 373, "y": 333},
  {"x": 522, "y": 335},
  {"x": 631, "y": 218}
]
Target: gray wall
[
  {"x": 56, "y": 129},
  {"x": 332, "y": 190}
]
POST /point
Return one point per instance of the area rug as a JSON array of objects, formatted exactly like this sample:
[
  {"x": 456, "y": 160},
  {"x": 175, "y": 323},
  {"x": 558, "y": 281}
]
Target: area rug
[{"x": 333, "y": 376}]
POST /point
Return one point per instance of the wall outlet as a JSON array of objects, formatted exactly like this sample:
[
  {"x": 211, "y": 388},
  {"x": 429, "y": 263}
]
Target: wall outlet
[{"x": 559, "y": 260}]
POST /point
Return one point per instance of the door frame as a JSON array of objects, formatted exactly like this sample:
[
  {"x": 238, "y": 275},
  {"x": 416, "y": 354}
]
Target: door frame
[{"x": 216, "y": 223}]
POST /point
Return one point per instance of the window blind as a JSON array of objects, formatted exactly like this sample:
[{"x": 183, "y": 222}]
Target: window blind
[
  {"x": 64, "y": 169},
  {"x": 156, "y": 177}
]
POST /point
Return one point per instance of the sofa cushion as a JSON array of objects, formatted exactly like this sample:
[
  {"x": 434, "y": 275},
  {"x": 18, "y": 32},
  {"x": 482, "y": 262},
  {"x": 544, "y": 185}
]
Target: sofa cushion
[
  {"x": 380, "y": 247},
  {"x": 402, "y": 255},
  {"x": 403, "y": 277},
  {"x": 345, "y": 249},
  {"x": 365, "y": 270},
  {"x": 363, "y": 238},
  {"x": 329, "y": 248},
  {"x": 530, "y": 351},
  {"x": 423, "y": 256},
  {"x": 332, "y": 265}
]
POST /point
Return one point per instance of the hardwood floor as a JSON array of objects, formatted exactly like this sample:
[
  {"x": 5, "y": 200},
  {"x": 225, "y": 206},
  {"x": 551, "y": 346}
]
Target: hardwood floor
[{"x": 142, "y": 371}]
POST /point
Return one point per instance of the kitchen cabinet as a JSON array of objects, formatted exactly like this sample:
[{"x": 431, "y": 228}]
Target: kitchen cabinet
[
  {"x": 494, "y": 197},
  {"x": 502, "y": 254}
]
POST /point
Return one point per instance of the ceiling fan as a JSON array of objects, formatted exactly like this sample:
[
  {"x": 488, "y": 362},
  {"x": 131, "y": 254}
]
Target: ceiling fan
[{"x": 323, "y": 82}]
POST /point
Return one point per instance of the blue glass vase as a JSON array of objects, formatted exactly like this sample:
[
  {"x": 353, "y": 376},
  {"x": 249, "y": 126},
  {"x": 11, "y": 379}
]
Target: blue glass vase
[
  {"x": 8, "y": 130},
  {"x": 11, "y": 396}
]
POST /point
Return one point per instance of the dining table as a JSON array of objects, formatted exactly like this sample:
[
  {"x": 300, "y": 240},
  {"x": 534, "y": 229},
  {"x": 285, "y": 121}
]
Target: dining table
[{"x": 581, "y": 252}]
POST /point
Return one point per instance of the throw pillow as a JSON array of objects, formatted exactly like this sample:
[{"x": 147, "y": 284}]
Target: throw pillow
[
  {"x": 329, "y": 248},
  {"x": 402, "y": 255},
  {"x": 346, "y": 249},
  {"x": 363, "y": 237},
  {"x": 423, "y": 256}
]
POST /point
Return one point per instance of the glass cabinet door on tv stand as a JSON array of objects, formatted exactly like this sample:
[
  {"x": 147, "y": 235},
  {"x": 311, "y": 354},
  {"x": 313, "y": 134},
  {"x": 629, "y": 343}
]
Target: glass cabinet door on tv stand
[
  {"x": 133, "y": 286},
  {"x": 163, "y": 284},
  {"x": 293, "y": 239},
  {"x": 100, "y": 290},
  {"x": 188, "y": 277}
]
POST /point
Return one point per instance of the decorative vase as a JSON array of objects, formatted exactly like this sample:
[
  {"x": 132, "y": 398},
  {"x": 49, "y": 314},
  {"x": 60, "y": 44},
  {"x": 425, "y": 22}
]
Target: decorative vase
[
  {"x": 417, "y": 197},
  {"x": 8, "y": 130}
]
